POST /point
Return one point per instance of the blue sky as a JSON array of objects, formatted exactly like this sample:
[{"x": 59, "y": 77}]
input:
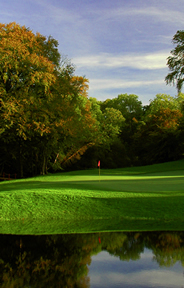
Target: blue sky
[{"x": 121, "y": 46}]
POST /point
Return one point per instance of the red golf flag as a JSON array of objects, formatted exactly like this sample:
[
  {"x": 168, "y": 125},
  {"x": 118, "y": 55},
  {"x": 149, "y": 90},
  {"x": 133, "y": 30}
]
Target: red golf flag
[{"x": 98, "y": 163}]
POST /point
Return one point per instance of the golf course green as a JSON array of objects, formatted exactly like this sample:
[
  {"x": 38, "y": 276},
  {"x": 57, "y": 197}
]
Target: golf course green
[{"x": 128, "y": 199}]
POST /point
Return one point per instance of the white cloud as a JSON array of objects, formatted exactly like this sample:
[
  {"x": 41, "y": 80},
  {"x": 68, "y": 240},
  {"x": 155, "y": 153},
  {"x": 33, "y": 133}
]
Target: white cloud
[
  {"x": 148, "y": 61},
  {"x": 98, "y": 84},
  {"x": 159, "y": 14}
]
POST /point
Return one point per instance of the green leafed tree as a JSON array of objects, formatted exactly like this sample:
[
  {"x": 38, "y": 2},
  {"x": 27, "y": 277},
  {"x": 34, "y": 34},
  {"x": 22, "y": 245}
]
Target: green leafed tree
[
  {"x": 176, "y": 62},
  {"x": 157, "y": 139},
  {"x": 131, "y": 109},
  {"x": 107, "y": 146}
]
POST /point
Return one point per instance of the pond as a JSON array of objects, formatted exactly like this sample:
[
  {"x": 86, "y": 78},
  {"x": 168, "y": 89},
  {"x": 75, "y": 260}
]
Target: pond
[{"x": 113, "y": 259}]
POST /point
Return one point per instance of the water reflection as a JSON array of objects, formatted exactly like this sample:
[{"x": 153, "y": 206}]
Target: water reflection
[
  {"x": 107, "y": 271},
  {"x": 70, "y": 261}
]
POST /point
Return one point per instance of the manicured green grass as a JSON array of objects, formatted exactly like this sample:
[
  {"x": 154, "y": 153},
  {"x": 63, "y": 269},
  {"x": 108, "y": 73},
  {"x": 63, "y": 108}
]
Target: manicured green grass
[{"x": 137, "y": 198}]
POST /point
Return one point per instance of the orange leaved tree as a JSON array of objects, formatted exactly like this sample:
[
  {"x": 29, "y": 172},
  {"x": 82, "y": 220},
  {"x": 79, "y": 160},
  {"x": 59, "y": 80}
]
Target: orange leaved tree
[{"x": 44, "y": 109}]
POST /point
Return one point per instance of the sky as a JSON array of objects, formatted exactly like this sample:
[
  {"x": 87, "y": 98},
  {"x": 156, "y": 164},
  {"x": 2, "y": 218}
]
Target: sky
[{"x": 121, "y": 46}]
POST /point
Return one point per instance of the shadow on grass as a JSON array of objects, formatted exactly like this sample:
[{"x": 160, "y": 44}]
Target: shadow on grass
[{"x": 94, "y": 214}]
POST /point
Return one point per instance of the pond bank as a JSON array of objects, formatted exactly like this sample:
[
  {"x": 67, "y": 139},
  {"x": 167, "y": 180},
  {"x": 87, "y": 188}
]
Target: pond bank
[{"x": 50, "y": 227}]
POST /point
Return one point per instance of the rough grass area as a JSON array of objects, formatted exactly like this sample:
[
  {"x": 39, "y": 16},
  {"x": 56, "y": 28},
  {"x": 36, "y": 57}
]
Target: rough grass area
[{"x": 137, "y": 198}]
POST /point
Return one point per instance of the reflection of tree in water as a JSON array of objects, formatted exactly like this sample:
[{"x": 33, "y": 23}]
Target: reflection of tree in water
[
  {"x": 131, "y": 249},
  {"x": 51, "y": 261},
  {"x": 167, "y": 247},
  {"x": 45, "y": 261},
  {"x": 62, "y": 260}
]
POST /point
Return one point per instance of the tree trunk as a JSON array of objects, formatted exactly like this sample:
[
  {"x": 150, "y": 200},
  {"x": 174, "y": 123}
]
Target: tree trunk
[
  {"x": 21, "y": 162},
  {"x": 44, "y": 165}
]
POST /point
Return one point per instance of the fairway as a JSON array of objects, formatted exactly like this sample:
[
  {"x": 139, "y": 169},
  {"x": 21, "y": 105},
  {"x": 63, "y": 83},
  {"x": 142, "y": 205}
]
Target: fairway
[{"x": 78, "y": 199}]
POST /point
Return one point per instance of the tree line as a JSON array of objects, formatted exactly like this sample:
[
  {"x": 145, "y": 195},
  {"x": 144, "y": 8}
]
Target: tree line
[{"x": 48, "y": 122}]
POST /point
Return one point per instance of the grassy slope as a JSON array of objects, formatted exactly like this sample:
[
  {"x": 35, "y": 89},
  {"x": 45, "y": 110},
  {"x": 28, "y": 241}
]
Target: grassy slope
[{"x": 137, "y": 198}]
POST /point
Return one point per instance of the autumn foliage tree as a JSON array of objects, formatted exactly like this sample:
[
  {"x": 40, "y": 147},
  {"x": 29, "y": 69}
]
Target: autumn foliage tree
[
  {"x": 25, "y": 80},
  {"x": 43, "y": 106},
  {"x": 26, "y": 74}
]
